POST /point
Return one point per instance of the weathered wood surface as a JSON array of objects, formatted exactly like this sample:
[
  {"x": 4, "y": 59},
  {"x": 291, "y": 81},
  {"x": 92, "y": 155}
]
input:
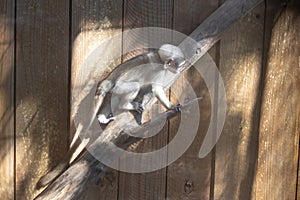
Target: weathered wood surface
[
  {"x": 190, "y": 177},
  {"x": 111, "y": 133},
  {"x": 7, "y": 43},
  {"x": 277, "y": 165},
  {"x": 228, "y": 13},
  {"x": 42, "y": 52},
  {"x": 241, "y": 50},
  {"x": 93, "y": 22},
  {"x": 138, "y": 14},
  {"x": 43, "y": 66}
]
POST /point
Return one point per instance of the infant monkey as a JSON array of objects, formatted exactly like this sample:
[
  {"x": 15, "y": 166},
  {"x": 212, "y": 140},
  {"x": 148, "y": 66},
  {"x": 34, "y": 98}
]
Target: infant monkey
[{"x": 152, "y": 72}]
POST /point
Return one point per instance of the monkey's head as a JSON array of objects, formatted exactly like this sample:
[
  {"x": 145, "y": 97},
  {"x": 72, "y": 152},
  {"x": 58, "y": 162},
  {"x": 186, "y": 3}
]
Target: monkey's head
[{"x": 172, "y": 57}]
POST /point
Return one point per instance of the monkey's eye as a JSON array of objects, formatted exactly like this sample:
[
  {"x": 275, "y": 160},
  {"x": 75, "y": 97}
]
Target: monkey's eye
[{"x": 169, "y": 62}]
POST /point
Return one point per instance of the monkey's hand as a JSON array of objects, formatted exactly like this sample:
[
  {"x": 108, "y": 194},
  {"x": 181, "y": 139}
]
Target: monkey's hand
[
  {"x": 102, "y": 119},
  {"x": 177, "y": 108},
  {"x": 137, "y": 107}
]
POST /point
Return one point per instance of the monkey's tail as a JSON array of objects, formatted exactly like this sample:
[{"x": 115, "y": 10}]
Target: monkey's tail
[
  {"x": 101, "y": 91},
  {"x": 103, "y": 88},
  {"x": 71, "y": 155}
]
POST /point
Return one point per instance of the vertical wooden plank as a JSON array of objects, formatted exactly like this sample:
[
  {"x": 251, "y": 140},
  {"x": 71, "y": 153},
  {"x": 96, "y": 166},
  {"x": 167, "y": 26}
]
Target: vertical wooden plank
[
  {"x": 241, "y": 50},
  {"x": 190, "y": 177},
  {"x": 94, "y": 22},
  {"x": 273, "y": 8},
  {"x": 7, "y": 43},
  {"x": 276, "y": 175},
  {"x": 298, "y": 180},
  {"x": 41, "y": 90},
  {"x": 153, "y": 13}
]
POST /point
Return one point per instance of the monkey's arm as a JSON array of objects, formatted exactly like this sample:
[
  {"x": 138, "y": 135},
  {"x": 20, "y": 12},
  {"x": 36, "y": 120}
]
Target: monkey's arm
[{"x": 160, "y": 94}]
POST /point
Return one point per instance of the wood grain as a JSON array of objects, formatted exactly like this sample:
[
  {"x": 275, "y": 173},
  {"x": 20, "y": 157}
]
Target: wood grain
[
  {"x": 91, "y": 169},
  {"x": 94, "y": 22},
  {"x": 276, "y": 176},
  {"x": 153, "y": 13},
  {"x": 7, "y": 99},
  {"x": 42, "y": 54},
  {"x": 189, "y": 177},
  {"x": 241, "y": 50},
  {"x": 273, "y": 10},
  {"x": 42, "y": 44}
]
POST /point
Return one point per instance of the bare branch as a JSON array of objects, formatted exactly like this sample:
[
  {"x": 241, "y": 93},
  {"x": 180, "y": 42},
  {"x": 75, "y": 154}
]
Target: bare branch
[{"x": 88, "y": 169}]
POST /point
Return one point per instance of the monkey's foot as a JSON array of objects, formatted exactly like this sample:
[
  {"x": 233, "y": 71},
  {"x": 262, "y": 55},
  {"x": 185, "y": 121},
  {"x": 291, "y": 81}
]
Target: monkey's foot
[
  {"x": 102, "y": 119},
  {"x": 137, "y": 106},
  {"x": 177, "y": 108}
]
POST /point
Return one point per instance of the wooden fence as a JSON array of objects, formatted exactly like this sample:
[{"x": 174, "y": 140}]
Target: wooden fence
[{"x": 43, "y": 44}]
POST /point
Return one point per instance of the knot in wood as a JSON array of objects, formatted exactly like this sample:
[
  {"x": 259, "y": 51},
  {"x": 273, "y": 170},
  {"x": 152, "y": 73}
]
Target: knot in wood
[{"x": 188, "y": 186}]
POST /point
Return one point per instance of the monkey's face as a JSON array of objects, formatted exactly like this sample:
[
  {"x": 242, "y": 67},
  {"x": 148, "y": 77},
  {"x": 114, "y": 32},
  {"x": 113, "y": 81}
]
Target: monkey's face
[
  {"x": 172, "y": 57},
  {"x": 173, "y": 65}
]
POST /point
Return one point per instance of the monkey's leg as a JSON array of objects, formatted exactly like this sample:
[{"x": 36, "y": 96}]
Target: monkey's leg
[
  {"x": 121, "y": 99},
  {"x": 160, "y": 94},
  {"x": 123, "y": 95},
  {"x": 104, "y": 114},
  {"x": 102, "y": 89}
]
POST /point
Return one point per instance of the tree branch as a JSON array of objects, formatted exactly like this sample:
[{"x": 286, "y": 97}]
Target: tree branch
[{"x": 87, "y": 170}]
